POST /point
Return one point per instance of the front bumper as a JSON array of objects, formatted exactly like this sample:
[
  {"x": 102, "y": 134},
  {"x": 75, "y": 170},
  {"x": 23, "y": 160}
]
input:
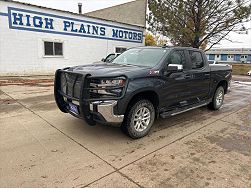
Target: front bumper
[
  {"x": 105, "y": 109},
  {"x": 87, "y": 108}
]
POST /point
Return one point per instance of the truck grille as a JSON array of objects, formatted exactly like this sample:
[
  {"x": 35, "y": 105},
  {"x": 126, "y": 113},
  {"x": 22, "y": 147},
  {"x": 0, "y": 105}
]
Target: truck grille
[
  {"x": 93, "y": 90},
  {"x": 71, "y": 84}
]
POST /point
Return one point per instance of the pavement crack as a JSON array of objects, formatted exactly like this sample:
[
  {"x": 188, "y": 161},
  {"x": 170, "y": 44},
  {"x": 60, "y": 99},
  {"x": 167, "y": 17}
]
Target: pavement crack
[
  {"x": 81, "y": 145},
  {"x": 118, "y": 170}
]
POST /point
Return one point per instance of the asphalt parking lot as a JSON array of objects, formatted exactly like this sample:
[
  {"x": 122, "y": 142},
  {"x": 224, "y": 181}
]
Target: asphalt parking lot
[{"x": 42, "y": 147}]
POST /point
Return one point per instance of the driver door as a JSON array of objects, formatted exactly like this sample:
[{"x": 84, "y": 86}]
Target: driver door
[{"x": 176, "y": 88}]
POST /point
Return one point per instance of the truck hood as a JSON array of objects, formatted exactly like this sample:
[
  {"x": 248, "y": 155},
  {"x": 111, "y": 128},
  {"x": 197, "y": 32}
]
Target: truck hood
[{"x": 111, "y": 69}]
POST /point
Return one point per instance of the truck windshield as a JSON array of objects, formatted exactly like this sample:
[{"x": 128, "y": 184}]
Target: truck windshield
[{"x": 148, "y": 57}]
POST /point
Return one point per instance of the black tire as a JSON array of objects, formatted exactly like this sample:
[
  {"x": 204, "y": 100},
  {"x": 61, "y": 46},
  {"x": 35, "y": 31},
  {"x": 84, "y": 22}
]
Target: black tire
[
  {"x": 144, "y": 122},
  {"x": 216, "y": 104}
]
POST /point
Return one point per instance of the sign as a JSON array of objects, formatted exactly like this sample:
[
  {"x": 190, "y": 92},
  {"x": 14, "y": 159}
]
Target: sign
[{"x": 23, "y": 19}]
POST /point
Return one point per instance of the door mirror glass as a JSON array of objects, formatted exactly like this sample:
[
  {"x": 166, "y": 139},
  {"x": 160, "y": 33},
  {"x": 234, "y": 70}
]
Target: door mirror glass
[{"x": 174, "y": 67}]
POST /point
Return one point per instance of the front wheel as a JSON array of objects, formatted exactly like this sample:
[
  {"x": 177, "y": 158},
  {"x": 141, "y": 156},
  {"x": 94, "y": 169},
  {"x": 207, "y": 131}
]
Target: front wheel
[
  {"x": 139, "y": 119},
  {"x": 217, "y": 99}
]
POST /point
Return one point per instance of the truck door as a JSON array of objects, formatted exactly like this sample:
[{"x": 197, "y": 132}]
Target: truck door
[
  {"x": 199, "y": 73},
  {"x": 177, "y": 84}
]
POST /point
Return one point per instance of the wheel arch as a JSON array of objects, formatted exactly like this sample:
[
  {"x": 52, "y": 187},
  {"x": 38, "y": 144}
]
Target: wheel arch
[
  {"x": 147, "y": 94},
  {"x": 224, "y": 84}
]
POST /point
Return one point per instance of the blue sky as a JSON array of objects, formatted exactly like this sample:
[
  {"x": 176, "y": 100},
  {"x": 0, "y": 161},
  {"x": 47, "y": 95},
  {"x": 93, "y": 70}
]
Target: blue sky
[{"x": 240, "y": 40}]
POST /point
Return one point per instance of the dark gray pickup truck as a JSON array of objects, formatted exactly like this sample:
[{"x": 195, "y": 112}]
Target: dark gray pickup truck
[{"x": 140, "y": 85}]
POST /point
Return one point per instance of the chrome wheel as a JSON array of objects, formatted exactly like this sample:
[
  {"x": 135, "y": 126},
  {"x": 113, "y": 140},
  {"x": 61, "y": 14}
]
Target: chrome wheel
[
  {"x": 219, "y": 98},
  {"x": 142, "y": 119}
]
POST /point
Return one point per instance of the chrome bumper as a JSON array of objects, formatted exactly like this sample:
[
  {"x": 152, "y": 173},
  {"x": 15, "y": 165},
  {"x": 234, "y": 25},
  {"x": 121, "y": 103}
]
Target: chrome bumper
[{"x": 105, "y": 108}]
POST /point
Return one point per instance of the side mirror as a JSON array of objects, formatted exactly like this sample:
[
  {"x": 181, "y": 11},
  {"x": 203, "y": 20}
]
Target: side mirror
[
  {"x": 174, "y": 68},
  {"x": 103, "y": 59}
]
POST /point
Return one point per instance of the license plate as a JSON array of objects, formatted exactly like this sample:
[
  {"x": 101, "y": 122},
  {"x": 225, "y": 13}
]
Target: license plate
[{"x": 73, "y": 108}]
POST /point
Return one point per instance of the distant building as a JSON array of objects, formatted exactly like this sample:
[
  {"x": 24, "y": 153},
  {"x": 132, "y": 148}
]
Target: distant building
[{"x": 233, "y": 55}]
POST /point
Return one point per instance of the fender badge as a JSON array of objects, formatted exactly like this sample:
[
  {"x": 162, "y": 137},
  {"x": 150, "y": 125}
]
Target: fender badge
[{"x": 154, "y": 72}]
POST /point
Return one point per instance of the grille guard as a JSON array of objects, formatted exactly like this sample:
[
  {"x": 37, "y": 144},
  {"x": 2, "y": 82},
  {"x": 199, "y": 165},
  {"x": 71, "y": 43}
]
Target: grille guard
[{"x": 84, "y": 96}]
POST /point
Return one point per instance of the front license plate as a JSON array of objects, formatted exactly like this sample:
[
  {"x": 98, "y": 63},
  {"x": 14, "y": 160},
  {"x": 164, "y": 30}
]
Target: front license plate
[{"x": 73, "y": 108}]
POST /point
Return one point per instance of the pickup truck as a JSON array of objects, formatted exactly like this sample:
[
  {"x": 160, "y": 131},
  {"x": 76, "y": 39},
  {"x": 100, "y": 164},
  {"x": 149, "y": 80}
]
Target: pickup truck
[{"x": 140, "y": 85}]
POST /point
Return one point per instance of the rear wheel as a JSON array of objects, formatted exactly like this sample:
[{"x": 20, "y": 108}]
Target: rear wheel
[
  {"x": 139, "y": 119},
  {"x": 217, "y": 99}
]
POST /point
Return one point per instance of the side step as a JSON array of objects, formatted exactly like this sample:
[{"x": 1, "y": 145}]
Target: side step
[{"x": 181, "y": 110}]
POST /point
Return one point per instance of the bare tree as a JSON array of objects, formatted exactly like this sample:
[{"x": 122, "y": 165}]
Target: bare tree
[{"x": 197, "y": 23}]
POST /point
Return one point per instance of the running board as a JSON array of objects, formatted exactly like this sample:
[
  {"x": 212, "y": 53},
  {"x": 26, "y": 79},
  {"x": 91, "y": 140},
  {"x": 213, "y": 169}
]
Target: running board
[{"x": 179, "y": 111}]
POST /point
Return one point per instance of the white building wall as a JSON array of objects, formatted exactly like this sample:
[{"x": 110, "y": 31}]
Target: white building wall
[
  {"x": 230, "y": 57},
  {"x": 22, "y": 52},
  {"x": 217, "y": 57}
]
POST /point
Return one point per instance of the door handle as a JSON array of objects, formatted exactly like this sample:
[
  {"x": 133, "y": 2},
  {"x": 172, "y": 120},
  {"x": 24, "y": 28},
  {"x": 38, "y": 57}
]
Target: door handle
[{"x": 187, "y": 76}]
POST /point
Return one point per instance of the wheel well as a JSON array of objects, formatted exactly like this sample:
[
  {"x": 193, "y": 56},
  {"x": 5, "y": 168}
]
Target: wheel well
[
  {"x": 148, "y": 95},
  {"x": 224, "y": 84}
]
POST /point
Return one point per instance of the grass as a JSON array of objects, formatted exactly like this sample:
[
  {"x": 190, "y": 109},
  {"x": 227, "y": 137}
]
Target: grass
[{"x": 241, "y": 69}]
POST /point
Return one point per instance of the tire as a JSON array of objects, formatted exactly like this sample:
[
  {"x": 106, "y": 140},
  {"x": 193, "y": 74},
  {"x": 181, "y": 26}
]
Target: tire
[
  {"x": 144, "y": 112},
  {"x": 217, "y": 99}
]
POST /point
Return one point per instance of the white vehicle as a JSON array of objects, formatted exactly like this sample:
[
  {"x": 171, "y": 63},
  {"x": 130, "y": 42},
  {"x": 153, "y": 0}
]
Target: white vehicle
[
  {"x": 212, "y": 62},
  {"x": 249, "y": 73}
]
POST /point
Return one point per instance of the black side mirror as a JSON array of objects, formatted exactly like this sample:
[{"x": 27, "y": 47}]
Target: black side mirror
[
  {"x": 174, "y": 68},
  {"x": 103, "y": 59}
]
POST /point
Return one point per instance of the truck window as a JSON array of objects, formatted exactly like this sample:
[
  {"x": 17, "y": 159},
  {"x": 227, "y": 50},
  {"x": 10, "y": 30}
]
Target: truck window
[
  {"x": 148, "y": 57},
  {"x": 177, "y": 57},
  {"x": 196, "y": 59}
]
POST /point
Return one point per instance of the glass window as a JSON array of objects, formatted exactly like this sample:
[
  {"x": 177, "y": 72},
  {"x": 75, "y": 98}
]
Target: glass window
[
  {"x": 110, "y": 57},
  {"x": 53, "y": 48},
  {"x": 48, "y": 48},
  {"x": 58, "y": 48},
  {"x": 148, "y": 57},
  {"x": 176, "y": 57},
  {"x": 119, "y": 50},
  {"x": 196, "y": 59}
]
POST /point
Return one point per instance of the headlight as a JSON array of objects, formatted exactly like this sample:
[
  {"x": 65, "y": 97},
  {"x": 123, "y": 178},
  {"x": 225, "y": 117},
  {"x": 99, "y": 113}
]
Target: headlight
[
  {"x": 109, "y": 86},
  {"x": 118, "y": 82}
]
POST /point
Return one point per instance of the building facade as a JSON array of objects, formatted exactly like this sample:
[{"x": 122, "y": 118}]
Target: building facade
[
  {"x": 39, "y": 40},
  {"x": 231, "y": 55}
]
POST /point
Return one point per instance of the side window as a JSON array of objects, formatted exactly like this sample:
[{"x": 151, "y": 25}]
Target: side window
[
  {"x": 196, "y": 59},
  {"x": 119, "y": 50},
  {"x": 177, "y": 57}
]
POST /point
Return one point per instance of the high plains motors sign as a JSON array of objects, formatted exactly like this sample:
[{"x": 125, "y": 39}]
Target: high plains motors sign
[{"x": 29, "y": 20}]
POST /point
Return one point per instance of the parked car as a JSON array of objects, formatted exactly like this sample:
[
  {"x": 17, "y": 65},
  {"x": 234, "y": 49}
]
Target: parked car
[
  {"x": 249, "y": 73},
  {"x": 110, "y": 57},
  {"x": 141, "y": 85},
  {"x": 212, "y": 62}
]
